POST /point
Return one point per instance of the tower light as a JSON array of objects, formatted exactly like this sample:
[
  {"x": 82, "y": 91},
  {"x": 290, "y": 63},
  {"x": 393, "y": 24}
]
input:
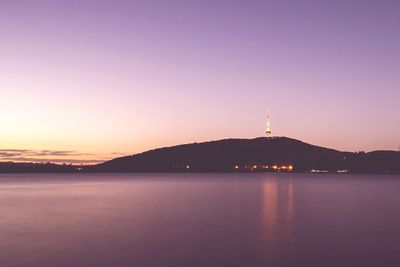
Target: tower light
[{"x": 268, "y": 132}]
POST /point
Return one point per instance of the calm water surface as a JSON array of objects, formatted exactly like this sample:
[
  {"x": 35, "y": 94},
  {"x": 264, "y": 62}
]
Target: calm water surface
[{"x": 146, "y": 220}]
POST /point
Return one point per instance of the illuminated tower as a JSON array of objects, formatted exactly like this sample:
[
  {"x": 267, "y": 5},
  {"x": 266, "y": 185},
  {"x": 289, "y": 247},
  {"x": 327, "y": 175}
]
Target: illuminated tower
[{"x": 268, "y": 132}]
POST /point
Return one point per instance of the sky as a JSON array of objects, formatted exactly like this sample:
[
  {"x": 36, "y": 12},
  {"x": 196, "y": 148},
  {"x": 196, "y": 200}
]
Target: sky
[{"x": 84, "y": 81}]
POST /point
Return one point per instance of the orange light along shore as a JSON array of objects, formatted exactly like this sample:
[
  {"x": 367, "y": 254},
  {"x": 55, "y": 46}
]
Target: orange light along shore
[{"x": 264, "y": 168}]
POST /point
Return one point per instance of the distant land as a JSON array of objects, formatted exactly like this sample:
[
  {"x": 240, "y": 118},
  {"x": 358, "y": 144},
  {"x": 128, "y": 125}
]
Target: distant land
[{"x": 274, "y": 154}]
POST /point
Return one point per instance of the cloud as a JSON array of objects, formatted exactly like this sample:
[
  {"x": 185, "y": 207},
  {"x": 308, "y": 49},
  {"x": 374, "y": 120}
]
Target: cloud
[
  {"x": 59, "y": 153},
  {"x": 54, "y": 156},
  {"x": 28, "y": 152},
  {"x": 8, "y": 154},
  {"x": 53, "y": 160},
  {"x": 12, "y": 152},
  {"x": 118, "y": 153}
]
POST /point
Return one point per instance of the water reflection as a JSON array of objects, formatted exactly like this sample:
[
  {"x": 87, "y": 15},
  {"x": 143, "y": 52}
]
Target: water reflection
[
  {"x": 198, "y": 220},
  {"x": 269, "y": 205},
  {"x": 278, "y": 210},
  {"x": 290, "y": 206}
]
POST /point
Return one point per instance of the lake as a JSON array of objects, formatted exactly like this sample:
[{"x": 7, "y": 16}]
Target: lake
[{"x": 145, "y": 220}]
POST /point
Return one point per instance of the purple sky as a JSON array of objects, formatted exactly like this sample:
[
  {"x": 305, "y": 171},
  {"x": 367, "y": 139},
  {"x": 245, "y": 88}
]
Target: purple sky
[{"x": 94, "y": 78}]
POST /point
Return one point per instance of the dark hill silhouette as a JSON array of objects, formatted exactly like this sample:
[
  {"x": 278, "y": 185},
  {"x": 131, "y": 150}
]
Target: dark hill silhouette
[
  {"x": 259, "y": 154},
  {"x": 241, "y": 154}
]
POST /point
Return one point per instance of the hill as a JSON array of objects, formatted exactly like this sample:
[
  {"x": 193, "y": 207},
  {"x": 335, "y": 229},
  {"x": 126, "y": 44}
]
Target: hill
[{"x": 259, "y": 154}]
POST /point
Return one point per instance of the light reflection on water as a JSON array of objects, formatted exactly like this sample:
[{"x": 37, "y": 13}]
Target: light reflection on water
[
  {"x": 199, "y": 220},
  {"x": 270, "y": 208}
]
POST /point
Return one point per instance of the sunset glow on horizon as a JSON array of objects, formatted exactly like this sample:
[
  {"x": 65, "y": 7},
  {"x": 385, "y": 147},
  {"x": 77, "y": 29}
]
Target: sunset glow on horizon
[{"x": 87, "y": 81}]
